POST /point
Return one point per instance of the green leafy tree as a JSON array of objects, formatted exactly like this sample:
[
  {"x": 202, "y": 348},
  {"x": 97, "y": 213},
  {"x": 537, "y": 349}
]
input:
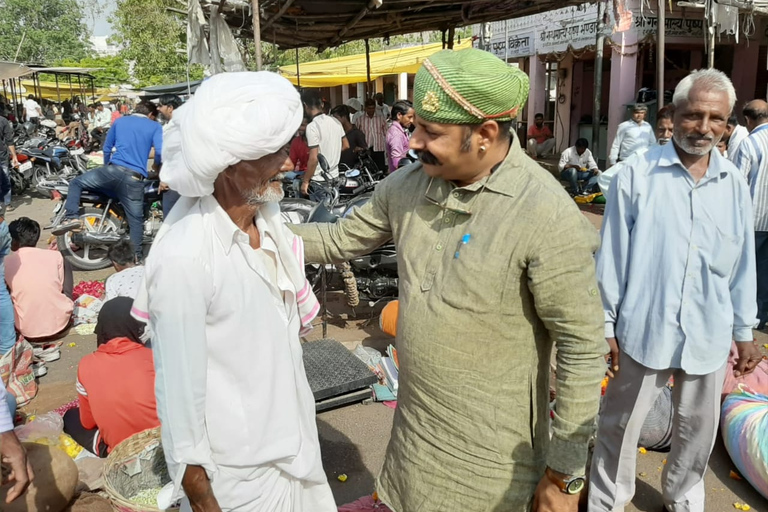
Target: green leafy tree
[
  {"x": 42, "y": 31},
  {"x": 112, "y": 70},
  {"x": 154, "y": 38}
]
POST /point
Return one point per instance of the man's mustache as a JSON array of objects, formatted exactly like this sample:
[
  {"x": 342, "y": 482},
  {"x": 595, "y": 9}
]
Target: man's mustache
[{"x": 428, "y": 158}]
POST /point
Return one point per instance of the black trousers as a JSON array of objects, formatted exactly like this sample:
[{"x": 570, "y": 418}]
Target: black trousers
[
  {"x": 83, "y": 436},
  {"x": 379, "y": 159}
]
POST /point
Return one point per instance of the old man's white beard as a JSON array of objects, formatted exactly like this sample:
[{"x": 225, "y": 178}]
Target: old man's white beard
[
  {"x": 685, "y": 144},
  {"x": 272, "y": 194}
]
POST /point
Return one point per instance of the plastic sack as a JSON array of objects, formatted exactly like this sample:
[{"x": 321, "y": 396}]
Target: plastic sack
[
  {"x": 47, "y": 427},
  {"x": 757, "y": 381},
  {"x": 86, "y": 310},
  {"x": 365, "y": 504},
  {"x": 17, "y": 374},
  {"x": 368, "y": 355},
  {"x": 744, "y": 424}
]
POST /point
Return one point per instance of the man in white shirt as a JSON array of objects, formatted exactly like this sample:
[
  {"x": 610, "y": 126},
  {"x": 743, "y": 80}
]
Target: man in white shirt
[
  {"x": 664, "y": 129},
  {"x": 632, "y": 136},
  {"x": 734, "y": 135},
  {"x": 325, "y": 136},
  {"x": 226, "y": 299},
  {"x": 102, "y": 119},
  {"x": 128, "y": 276},
  {"x": 32, "y": 110},
  {"x": 576, "y": 164}
]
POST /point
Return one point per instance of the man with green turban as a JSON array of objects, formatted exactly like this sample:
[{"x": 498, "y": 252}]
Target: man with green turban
[{"x": 495, "y": 264}]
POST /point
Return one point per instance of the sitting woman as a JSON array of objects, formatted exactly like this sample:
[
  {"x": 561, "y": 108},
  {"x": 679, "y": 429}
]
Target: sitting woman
[{"x": 115, "y": 384}]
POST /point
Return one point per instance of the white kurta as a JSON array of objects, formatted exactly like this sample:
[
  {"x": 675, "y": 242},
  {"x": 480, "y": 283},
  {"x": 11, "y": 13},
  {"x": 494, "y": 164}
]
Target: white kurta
[{"x": 232, "y": 395}]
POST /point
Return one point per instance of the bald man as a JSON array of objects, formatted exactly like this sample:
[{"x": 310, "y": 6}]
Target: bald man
[{"x": 752, "y": 159}]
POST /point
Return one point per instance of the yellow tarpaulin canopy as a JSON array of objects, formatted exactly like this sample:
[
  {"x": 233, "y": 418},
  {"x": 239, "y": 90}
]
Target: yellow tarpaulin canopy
[
  {"x": 352, "y": 69},
  {"x": 48, "y": 90}
]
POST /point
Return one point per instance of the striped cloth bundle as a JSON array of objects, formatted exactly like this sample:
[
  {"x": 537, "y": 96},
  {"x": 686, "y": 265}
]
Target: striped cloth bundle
[{"x": 744, "y": 424}]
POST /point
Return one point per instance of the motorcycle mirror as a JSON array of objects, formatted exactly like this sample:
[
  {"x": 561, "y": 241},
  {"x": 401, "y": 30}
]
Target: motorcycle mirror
[{"x": 323, "y": 163}]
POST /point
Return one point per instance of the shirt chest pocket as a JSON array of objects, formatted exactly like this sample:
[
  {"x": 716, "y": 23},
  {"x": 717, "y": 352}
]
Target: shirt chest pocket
[
  {"x": 726, "y": 250},
  {"x": 475, "y": 281}
]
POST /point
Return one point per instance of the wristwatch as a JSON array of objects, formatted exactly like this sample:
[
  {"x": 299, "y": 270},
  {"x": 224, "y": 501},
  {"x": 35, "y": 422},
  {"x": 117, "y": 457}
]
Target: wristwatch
[{"x": 568, "y": 485}]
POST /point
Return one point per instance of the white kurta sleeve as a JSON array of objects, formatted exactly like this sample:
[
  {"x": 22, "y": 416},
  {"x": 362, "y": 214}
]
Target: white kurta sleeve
[
  {"x": 179, "y": 292},
  {"x": 6, "y": 422},
  {"x": 613, "y": 156}
]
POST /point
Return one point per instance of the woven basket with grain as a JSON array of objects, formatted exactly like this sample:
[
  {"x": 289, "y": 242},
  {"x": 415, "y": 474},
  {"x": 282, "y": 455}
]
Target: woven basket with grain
[{"x": 135, "y": 465}]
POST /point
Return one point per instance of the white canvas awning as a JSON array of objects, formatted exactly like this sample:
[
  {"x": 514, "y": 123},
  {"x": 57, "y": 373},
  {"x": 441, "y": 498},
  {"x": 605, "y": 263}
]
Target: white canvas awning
[{"x": 9, "y": 70}]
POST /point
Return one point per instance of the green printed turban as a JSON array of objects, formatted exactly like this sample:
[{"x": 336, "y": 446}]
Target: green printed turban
[{"x": 468, "y": 87}]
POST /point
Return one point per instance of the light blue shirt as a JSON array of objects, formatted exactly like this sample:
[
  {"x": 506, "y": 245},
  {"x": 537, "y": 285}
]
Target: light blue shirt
[
  {"x": 751, "y": 159},
  {"x": 676, "y": 267}
]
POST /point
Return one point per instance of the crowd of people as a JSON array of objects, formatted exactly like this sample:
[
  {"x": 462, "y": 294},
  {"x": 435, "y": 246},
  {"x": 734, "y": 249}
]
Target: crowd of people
[
  {"x": 216, "y": 311},
  {"x": 375, "y": 128}
]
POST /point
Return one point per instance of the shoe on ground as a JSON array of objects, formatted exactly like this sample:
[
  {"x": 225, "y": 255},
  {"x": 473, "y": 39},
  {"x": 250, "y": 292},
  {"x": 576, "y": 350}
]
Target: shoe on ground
[
  {"x": 66, "y": 226},
  {"x": 47, "y": 354},
  {"x": 39, "y": 369}
]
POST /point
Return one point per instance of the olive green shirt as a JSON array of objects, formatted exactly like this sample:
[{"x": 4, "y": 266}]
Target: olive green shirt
[{"x": 475, "y": 332}]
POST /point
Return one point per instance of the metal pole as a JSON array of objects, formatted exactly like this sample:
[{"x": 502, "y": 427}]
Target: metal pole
[
  {"x": 368, "y": 67},
  {"x": 214, "y": 38},
  {"x": 257, "y": 33},
  {"x": 506, "y": 40},
  {"x": 58, "y": 92},
  {"x": 710, "y": 34},
  {"x": 487, "y": 37},
  {"x": 599, "y": 43},
  {"x": 451, "y": 34},
  {"x": 660, "y": 49},
  {"x": 298, "y": 69},
  {"x": 189, "y": 87}
]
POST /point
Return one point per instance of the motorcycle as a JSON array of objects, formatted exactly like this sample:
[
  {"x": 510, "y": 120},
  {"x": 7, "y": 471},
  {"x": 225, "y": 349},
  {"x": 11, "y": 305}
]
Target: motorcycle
[
  {"x": 364, "y": 174},
  {"x": 104, "y": 224},
  {"x": 372, "y": 277},
  {"x": 54, "y": 162}
]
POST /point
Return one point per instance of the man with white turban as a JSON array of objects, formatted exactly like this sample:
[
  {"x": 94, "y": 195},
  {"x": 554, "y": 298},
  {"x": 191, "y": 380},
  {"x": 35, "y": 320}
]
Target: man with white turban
[{"x": 226, "y": 299}]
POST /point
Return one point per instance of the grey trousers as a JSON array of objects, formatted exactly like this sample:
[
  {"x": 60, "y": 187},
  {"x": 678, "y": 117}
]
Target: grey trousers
[
  {"x": 629, "y": 397},
  {"x": 536, "y": 149}
]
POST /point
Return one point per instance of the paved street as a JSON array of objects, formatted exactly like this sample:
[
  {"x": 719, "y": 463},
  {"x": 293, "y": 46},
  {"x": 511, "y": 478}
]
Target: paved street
[{"x": 354, "y": 438}]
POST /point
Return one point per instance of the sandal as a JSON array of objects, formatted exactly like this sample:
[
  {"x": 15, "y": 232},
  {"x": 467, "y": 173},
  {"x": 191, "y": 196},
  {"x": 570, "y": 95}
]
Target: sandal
[{"x": 66, "y": 226}]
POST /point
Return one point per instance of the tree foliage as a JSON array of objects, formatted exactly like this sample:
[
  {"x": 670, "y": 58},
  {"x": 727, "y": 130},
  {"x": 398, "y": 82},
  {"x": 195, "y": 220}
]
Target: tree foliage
[
  {"x": 154, "y": 39},
  {"x": 43, "y": 31},
  {"x": 274, "y": 57},
  {"x": 113, "y": 70}
]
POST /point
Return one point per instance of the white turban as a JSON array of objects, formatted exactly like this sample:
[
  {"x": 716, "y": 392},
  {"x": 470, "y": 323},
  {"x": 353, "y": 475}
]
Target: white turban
[
  {"x": 232, "y": 117},
  {"x": 355, "y": 104}
]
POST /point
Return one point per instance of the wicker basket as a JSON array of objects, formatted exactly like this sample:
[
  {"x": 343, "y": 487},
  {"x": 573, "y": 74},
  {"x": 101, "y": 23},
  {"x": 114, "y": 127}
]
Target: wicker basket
[{"x": 136, "y": 464}]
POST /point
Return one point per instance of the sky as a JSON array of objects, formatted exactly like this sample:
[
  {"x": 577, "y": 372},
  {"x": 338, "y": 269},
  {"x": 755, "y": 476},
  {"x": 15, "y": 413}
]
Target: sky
[{"x": 99, "y": 25}]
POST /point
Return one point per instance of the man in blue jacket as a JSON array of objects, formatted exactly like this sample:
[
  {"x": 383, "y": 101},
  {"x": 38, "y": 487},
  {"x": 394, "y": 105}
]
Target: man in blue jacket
[{"x": 126, "y": 151}]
